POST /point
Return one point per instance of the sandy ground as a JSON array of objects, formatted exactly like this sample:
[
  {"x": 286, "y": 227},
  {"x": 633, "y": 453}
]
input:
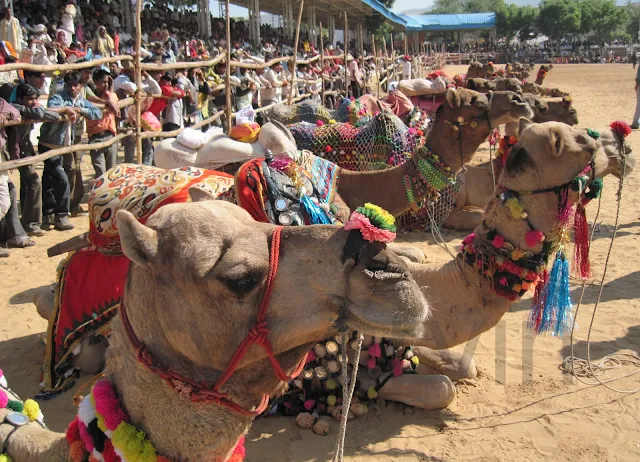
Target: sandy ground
[{"x": 521, "y": 407}]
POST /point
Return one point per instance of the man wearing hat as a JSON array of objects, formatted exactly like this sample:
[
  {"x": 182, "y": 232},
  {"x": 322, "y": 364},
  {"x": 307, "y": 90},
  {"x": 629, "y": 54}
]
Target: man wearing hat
[
  {"x": 11, "y": 30},
  {"x": 406, "y": 67}
]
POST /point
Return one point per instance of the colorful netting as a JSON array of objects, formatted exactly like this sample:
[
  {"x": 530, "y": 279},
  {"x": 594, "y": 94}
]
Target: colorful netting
[
  {"x": 383, "y": 142},
  {"x": 353, "y": 111}
]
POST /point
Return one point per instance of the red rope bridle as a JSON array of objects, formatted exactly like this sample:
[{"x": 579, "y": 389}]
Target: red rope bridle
[{"x": 200, "y": 392}]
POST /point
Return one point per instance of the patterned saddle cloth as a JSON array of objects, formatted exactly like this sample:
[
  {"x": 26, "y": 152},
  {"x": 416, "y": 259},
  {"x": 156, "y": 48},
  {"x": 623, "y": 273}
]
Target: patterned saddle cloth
[
  {"x": 288, "y": 193},
  {"x": 91, "y": 281}
]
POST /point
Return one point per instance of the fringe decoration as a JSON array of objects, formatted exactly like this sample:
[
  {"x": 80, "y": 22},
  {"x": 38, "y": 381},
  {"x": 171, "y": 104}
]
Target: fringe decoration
[
  {"x": 581, "y": 264},
  {"x": 566, "y": 208},
  {"x": 316, "y": 215},
  {"x": 551, "y": 312}
]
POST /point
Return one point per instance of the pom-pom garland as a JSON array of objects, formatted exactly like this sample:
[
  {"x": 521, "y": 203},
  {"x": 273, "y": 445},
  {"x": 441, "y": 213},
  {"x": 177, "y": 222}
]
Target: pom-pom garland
[
  {"x": 375, "y": 224},
  {"x": 110, "y": 436}
]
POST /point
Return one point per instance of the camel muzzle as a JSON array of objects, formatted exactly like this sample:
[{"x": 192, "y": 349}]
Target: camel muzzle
[{"x": 378, "y": 262}]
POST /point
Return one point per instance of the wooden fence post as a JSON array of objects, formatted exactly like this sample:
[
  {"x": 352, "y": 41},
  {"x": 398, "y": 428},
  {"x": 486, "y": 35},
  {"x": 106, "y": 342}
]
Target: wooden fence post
[
  {"x": 295, "y": 54},
  {"x": 138, "y": 77},
  {"x": 227, "y": 83},
  {"x": 346, "y": 52},
  {"x": 321, "y": 66}
]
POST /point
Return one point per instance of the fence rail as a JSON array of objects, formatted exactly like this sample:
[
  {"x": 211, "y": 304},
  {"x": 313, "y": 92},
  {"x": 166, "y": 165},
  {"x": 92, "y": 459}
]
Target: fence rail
[{"x": 386, "y": 65}]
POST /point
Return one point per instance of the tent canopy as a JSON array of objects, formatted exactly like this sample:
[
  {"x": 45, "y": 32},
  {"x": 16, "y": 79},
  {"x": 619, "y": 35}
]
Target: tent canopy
[{"x": 450, "y": 22}]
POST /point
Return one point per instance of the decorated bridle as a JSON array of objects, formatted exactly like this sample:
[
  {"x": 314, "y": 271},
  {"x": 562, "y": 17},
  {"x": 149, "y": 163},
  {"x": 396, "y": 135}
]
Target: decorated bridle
[
  {"x": 512, "y": 271},
  {"x": 200, "y": 392}
]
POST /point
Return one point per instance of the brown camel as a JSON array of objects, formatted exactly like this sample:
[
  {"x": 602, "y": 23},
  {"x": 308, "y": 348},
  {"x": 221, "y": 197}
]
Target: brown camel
[
  {"x": 481, "y": 85},
  {"x": 546, "y": 110},
  {"x": 193, "y": 292},
  {"x": 543, "y": 91},
  {"x": 463, "y": 300},
  {"x": 484, "y": 71},
  {"x": 542, "y": 73},
  {"x": 478, "y": 188},
  {"x": 518, "y": 71}
]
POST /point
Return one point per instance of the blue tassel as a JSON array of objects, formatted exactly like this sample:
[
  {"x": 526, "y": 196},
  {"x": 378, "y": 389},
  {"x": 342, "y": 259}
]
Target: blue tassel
[
  {"x": 564, "y": 316},
  {"x": 316, "y": 215},
  {"x": 551, "y": 312}
]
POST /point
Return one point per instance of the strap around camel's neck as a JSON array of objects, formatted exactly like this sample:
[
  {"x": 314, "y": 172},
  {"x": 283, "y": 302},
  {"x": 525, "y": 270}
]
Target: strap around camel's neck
[{"x": 200, "y": 392}]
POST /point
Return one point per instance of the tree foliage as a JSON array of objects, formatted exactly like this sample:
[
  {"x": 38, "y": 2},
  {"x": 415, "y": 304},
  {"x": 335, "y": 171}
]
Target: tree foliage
[{"x": 559, "y": 18}]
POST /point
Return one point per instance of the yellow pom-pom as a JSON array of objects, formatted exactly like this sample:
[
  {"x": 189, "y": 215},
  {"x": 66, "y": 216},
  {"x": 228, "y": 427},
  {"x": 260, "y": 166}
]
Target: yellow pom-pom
[
  {"x": 517, "y": 254},
  {"x": 332, "y": 121},
  {"x": 415, "y": 360},
  {"x": 133, "y": 444},
  {"x": 372, "y": 393},
  {"x": 31, "y": 409},
  {"x": 5, "y": 458},
  {"x": 515, "y": 207},
  {"x": 331, "y": 400},
  {"x": 331, "y": 384}
]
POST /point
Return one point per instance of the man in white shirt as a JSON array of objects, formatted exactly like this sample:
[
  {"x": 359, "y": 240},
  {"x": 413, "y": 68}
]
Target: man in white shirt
[
  {"x": 11, "y": 30},
  {"x": 406, "y": 68},
  {"x": 274, "y": 93}
]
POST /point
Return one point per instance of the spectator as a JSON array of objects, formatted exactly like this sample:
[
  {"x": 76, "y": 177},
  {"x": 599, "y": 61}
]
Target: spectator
[
  {"x": 406, "y": 67},
  {"x": 20, "y": 147},
  {"x": 55, "y": 184},
  {"x": 104, "y": 129},
  {"x": 103, "y": 44},
  {"x": 273, "y": 93},
  {"x": 11, "y": 31}
]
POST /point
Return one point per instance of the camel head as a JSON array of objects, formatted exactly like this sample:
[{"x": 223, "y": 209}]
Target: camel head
[
  {"x": 618, "y": 152},
  {"x": 200, "y": 270},
  {"x": 509, "y": 84},
  {"x": 276, "y": 137},
  {"x": 507, "y": 106},
  {"x": 551, "y": 110},
  {"x": 481, "y": 85},
  {"x": 548, "y": 155}
]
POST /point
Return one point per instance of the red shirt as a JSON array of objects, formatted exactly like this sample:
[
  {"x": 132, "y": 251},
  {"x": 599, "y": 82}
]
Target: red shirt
[{"x": 160, "y": 104}]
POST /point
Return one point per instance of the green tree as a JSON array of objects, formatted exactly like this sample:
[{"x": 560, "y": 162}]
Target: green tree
[
  {"x": 602, "y": 18},
  {"x": 557, "y": 18},
  {"x": 633, "y": 20}
]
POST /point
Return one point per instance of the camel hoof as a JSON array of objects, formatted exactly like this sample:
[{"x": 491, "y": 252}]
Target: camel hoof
[
  {"x": 421, "y": 391},
  {"x": 456, "y": 366},
  {"x": 43, "y": 299}
]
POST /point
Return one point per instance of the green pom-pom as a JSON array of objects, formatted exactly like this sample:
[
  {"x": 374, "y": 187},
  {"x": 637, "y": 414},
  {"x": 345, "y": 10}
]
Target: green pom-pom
[
  {"x": 579, "y": 183},
  {"x": 595, "y": 134},
  {"x": 595, "y": 188},
  {"x": 14, "y": 405}
]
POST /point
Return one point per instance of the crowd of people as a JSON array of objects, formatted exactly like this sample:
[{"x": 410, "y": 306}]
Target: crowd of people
[{"x": 82, "y": 106}]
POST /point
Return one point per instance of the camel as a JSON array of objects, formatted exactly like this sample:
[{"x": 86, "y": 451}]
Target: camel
[
  {"x": 477, "y": 188},
  {"x": 190, "y": 254},
  {"x": 539, "y": 90},
  {"x": 546, "y": 110},
  {"x": 220, "y": 150},
  {"x": 484, "y": 71},
  {"x": 542, "y": 73},
  {"x": 519, "y": 71},
  {"x": 484, "y": 85},
  {"x": 464, "y": 301}
]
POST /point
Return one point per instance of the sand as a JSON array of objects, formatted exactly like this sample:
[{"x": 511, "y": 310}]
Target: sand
[{"x": 520, "y": 408}]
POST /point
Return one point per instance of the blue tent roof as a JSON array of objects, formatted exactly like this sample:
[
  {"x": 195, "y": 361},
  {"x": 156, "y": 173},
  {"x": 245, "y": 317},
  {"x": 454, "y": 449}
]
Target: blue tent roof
[{"x": 443, "y": 22}]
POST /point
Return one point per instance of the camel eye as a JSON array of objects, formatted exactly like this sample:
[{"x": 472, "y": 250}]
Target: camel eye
[{"x": 242, "y": 283}]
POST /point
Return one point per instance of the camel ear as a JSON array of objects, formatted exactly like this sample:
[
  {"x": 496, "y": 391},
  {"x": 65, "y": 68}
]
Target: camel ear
[
  {"x": 453, "y": 98},
  {"x": 556, "y": 143},
  {"x": 524, "y": 123},
  {"x": 139, "y": 243},
  {"x": 199, "y": 195}
]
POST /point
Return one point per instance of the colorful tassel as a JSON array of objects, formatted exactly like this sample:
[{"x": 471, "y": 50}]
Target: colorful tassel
[
  {"x": 316, "y": 215},
  {"x": 375, "y": 351},
  {"x": 551, "y": 312},
  {"x": 581, "y": 264},
  {"x": 371, "y": 363}
]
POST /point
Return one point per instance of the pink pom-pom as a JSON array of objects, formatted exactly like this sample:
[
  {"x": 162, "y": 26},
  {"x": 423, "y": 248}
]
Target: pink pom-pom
[
  {"x": 369, "y": 232},
  {"x": 621, "y": 128},
  {"x": 108, "y": 404},
  {"x": 396, "y": 366},
  {"x": 319, "y": 123},
  {"x": 533, "y": 238},
  {"x": 375, "y": 351},
  {"x": 311, "y": 356},
  {"x": 469, "y": 239},
  {"x": 498, "y": 241},
  {"x": 328, "y": 149},
  {"x": 73, "y": 432},
  {"x": 240, "y": 449},
  {"x": 371, "y": 363},
  {"x": 4, "y": 400},
  {"x": 309, "y": 404}
]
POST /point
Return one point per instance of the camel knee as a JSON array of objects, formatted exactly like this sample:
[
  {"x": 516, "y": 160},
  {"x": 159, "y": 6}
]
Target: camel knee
[
  {"x": 463, "y": 220},
  {"x": 43, "y": 299},
  {"x": 421, "y": 391},
  {"x": 456, "y": 366}
]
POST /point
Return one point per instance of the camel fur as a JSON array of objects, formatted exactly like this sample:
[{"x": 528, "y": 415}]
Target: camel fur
[{"x": 193, "y": 291}]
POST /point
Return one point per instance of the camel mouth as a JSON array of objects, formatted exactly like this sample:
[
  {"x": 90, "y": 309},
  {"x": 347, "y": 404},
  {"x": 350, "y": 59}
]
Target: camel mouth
[{"x": 362, "y": 322}]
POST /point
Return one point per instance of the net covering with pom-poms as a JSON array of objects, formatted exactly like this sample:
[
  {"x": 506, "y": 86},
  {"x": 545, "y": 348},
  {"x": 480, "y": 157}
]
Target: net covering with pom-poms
[
  {"x": 383, "y": 142},
  {"x": 304, "y": 111}
]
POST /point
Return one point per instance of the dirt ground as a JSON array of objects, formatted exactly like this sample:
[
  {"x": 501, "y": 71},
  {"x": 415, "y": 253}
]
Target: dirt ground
[{"x": 521, "y": 407}]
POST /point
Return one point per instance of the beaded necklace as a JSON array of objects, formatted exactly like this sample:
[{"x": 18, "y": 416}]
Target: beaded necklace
[{"x": 427, "y": 178}]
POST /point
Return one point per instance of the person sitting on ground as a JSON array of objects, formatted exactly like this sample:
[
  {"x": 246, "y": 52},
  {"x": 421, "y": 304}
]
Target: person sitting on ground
[
  {"x": 19, "y": 146},
  {"x": 55, "y": 184}
]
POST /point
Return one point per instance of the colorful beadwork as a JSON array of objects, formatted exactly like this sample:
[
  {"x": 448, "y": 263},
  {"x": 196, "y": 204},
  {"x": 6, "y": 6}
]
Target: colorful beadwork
[{"x": 430, "y": 176}]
